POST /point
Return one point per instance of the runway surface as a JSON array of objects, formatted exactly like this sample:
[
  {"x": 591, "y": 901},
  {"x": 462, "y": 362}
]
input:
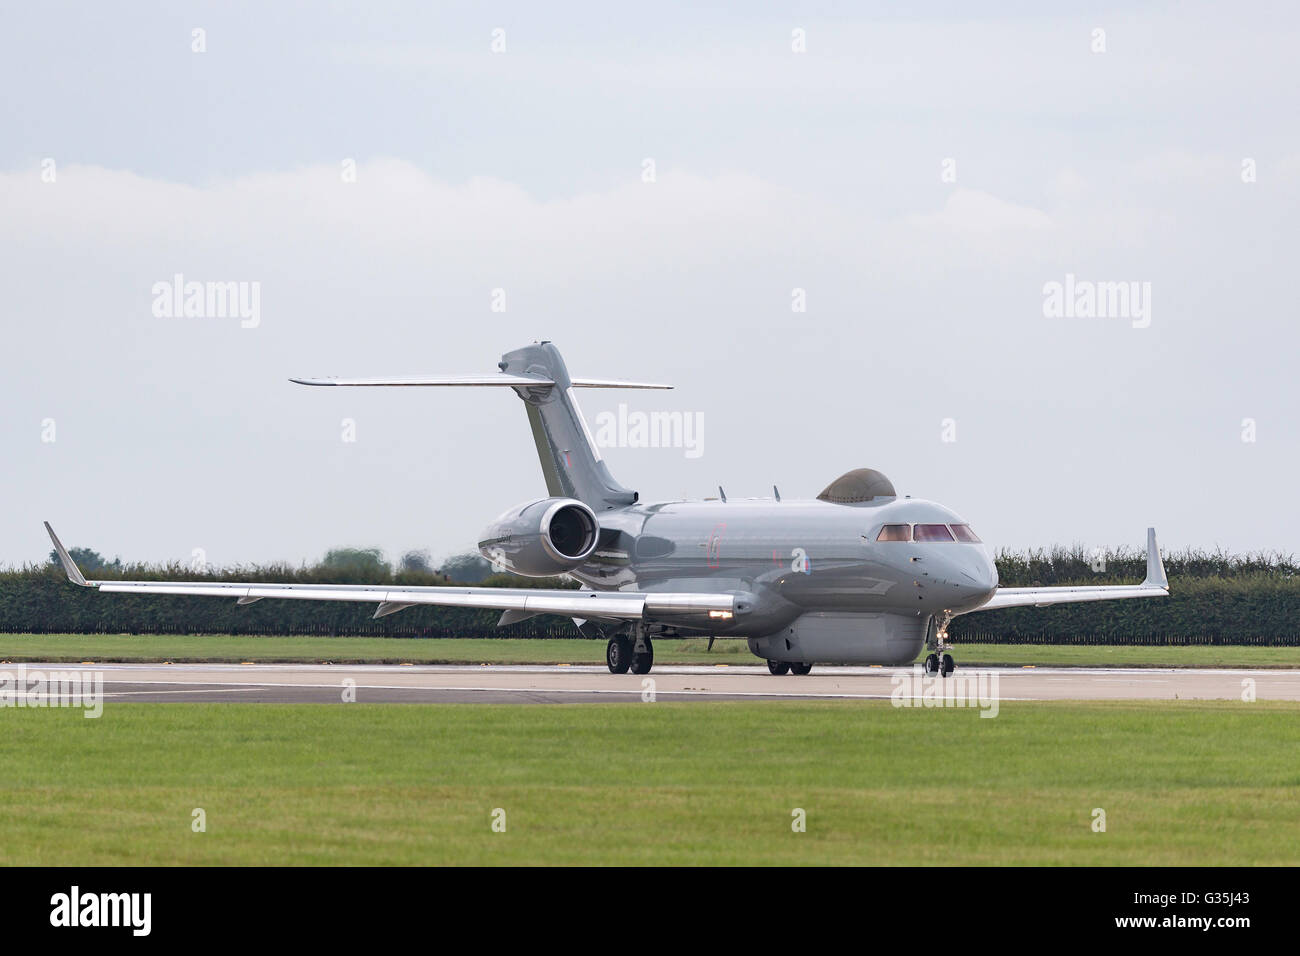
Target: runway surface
[{"x": 323, "y": 683}]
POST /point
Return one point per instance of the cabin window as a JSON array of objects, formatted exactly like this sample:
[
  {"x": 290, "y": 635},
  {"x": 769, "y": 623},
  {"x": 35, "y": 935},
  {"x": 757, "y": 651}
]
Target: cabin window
[
  {"x": 933, "y": 532},
  {"x": 895, "y": 532},
  {"x": 964, "y": 533}
]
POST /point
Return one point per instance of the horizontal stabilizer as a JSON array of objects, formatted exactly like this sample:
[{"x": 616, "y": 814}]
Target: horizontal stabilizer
[
  {"x": 499, "y": 379},
  {"x": 571, "y": 462},
  {"x": 611, "y": 383}
]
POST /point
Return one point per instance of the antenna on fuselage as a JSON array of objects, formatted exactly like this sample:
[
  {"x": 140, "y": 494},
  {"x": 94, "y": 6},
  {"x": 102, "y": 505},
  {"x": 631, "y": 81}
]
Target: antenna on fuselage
[
  {"x": 776, "y": 493},
  {"x": 722, "y": 494}
]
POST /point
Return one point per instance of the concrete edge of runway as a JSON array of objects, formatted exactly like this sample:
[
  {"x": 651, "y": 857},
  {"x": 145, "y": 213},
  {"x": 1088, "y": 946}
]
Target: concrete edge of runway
[
  {"x": 822, "y": 670},
  {"x": 576, "y": 683}
]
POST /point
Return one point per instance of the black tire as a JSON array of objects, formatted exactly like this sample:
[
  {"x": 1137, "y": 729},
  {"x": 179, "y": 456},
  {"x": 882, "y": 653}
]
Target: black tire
[
  {"x": 800, "y": 669},
  {"x": 641, "y": 663},
  {"x": 618, "y": 655},
  {"x": 948, "y": 665},
  {"x": 778, "y": 668},
  {"x": 932, "y": 664}
]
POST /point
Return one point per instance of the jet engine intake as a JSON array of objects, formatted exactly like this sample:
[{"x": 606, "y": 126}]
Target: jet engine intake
[{"x": 542, "y": 538}]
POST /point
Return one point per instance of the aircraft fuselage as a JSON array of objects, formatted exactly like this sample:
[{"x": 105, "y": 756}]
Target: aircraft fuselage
[{"x": 796, "y": 557}]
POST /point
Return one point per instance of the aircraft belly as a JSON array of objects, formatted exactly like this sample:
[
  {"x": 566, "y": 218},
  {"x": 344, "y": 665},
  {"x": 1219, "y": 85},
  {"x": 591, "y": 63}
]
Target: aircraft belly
[{"x": 830, "y": 637}]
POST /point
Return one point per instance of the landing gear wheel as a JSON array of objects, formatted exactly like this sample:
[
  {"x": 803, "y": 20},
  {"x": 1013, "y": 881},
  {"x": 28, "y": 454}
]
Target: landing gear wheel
[
  {"x": 948, "y": 665},
  {"x": 618, "y": 655},
  {"x": 932, "y": 664},
  {"x": 778, "y": 668},
  {"x": 800, "y": 669},
  {"x": 644, "y": 660}
]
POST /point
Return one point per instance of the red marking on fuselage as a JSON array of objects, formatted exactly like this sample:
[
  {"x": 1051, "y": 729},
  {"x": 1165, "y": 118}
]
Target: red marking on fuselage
[{"x": 715, "y": 544}]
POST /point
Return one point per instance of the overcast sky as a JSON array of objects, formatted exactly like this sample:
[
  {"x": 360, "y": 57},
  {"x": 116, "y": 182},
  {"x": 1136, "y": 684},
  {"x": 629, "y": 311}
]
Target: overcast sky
[{"x": 378, "y": 170}]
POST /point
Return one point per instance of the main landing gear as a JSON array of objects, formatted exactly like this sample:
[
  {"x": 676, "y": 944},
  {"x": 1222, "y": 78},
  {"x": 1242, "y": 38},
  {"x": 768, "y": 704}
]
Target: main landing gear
[
  {"x": 784, "y": 667},
  {"x": 630, "y": 652}
]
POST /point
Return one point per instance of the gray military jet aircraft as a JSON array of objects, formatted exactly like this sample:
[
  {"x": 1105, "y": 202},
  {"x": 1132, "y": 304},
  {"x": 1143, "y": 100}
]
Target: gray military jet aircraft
[{"x": 858, "y": 576}]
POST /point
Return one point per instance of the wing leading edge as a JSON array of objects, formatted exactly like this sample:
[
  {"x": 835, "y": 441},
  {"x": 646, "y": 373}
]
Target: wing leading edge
[
  {"x": 605, "y": 605},
  {"x": 1156, "y": 584}
]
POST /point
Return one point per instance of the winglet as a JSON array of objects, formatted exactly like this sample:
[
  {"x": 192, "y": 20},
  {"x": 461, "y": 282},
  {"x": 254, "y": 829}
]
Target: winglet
[
  {"x": 69, "y": 566},
  {"x": 1155, "y": 565}
]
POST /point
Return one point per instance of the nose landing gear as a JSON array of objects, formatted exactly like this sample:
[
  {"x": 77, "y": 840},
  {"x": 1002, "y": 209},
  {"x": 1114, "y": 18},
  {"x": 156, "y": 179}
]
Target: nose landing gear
[
  {"x": 939, "y": 661},
  {"x": 943, "y": 665}
]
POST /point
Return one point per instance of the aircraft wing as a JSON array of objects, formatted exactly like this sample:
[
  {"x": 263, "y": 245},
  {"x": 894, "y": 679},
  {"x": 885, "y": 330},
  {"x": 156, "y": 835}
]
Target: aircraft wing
[
  {"x": 1155, "y": 585},
  {"x": 605, "y": 605}
]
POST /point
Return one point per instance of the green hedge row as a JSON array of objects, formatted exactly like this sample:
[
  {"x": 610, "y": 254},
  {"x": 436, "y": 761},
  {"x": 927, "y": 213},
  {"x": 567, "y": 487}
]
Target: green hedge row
[
  {"x": 1216, "y": 599},
  {"x": 1260, "y": 609},
  {"x": 41, "y": 601}
]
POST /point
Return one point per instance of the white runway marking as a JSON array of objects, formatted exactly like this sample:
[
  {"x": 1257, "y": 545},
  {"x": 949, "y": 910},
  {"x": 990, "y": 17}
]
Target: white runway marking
[
  {"x": 435, "y": 682},
  {"x": 1129, "y": 680},
  {"x": 470, "y": 688},
  {"x": 223, "y": 689}
]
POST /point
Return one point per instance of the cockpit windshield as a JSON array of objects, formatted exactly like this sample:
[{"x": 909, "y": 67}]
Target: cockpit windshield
[
  {"x": 928, "y": 532},
  {"x": 931, "y": 532}
]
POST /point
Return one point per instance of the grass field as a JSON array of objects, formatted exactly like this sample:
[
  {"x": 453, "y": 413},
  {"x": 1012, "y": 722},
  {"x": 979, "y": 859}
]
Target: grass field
[
  {"x": 219, "y": 647},
  {"x": 1183, "y": 783}
]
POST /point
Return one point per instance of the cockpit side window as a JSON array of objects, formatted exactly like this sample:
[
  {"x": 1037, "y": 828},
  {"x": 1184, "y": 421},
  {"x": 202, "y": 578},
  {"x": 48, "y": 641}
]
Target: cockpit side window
[
  {"x": 964, "y": 533},
  {"x": 895, "y": 532},
  {"x": 932, "y": 532}
]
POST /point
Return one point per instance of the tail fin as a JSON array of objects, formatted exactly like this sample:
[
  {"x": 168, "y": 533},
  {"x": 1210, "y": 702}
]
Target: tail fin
[
  {"x": 571, "y": 463},
  {"x": 570, "y": 460}
]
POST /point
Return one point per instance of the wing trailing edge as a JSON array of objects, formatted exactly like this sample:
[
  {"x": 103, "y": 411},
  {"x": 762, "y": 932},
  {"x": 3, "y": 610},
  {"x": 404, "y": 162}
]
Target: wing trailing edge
[{"x": 523, "y": 602}]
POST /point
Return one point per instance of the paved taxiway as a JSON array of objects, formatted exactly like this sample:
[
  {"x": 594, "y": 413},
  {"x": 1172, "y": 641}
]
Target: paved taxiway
[{"x": 325, "y": 683}]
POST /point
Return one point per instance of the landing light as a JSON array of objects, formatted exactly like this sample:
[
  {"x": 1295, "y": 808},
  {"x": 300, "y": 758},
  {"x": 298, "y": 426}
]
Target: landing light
[{"x": 720, "y": 615}]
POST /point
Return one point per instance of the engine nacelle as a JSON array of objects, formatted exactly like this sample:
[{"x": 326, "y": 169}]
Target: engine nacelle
[{"x": 541, "y": 538}]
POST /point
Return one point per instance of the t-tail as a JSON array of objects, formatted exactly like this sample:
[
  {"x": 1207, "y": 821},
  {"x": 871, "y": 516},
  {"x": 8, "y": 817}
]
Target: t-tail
[{"x": 571, "y": 462}]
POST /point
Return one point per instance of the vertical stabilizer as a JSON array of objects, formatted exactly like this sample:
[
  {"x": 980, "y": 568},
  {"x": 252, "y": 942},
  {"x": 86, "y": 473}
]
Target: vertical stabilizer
[{"x": 571, "y": 462}]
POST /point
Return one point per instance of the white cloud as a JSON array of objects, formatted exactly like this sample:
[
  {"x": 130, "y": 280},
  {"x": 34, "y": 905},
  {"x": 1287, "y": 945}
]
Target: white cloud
[
  {"x": 911, "y": 316},
  {"x": 973, "y": 211}
]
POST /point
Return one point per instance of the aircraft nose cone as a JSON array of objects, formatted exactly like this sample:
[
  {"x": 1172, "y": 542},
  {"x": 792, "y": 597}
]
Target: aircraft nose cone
[
  {"x": 975, "y": 579},
  {"x": 983, "y": 577}
]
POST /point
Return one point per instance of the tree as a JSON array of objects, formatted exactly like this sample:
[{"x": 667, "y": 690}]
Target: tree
[
  {"x": 87, "y": 559},
  {"x": 417, "y": 561},
  {"x": 361, "y": 562},
  {"x": 468, "y": 568}
]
